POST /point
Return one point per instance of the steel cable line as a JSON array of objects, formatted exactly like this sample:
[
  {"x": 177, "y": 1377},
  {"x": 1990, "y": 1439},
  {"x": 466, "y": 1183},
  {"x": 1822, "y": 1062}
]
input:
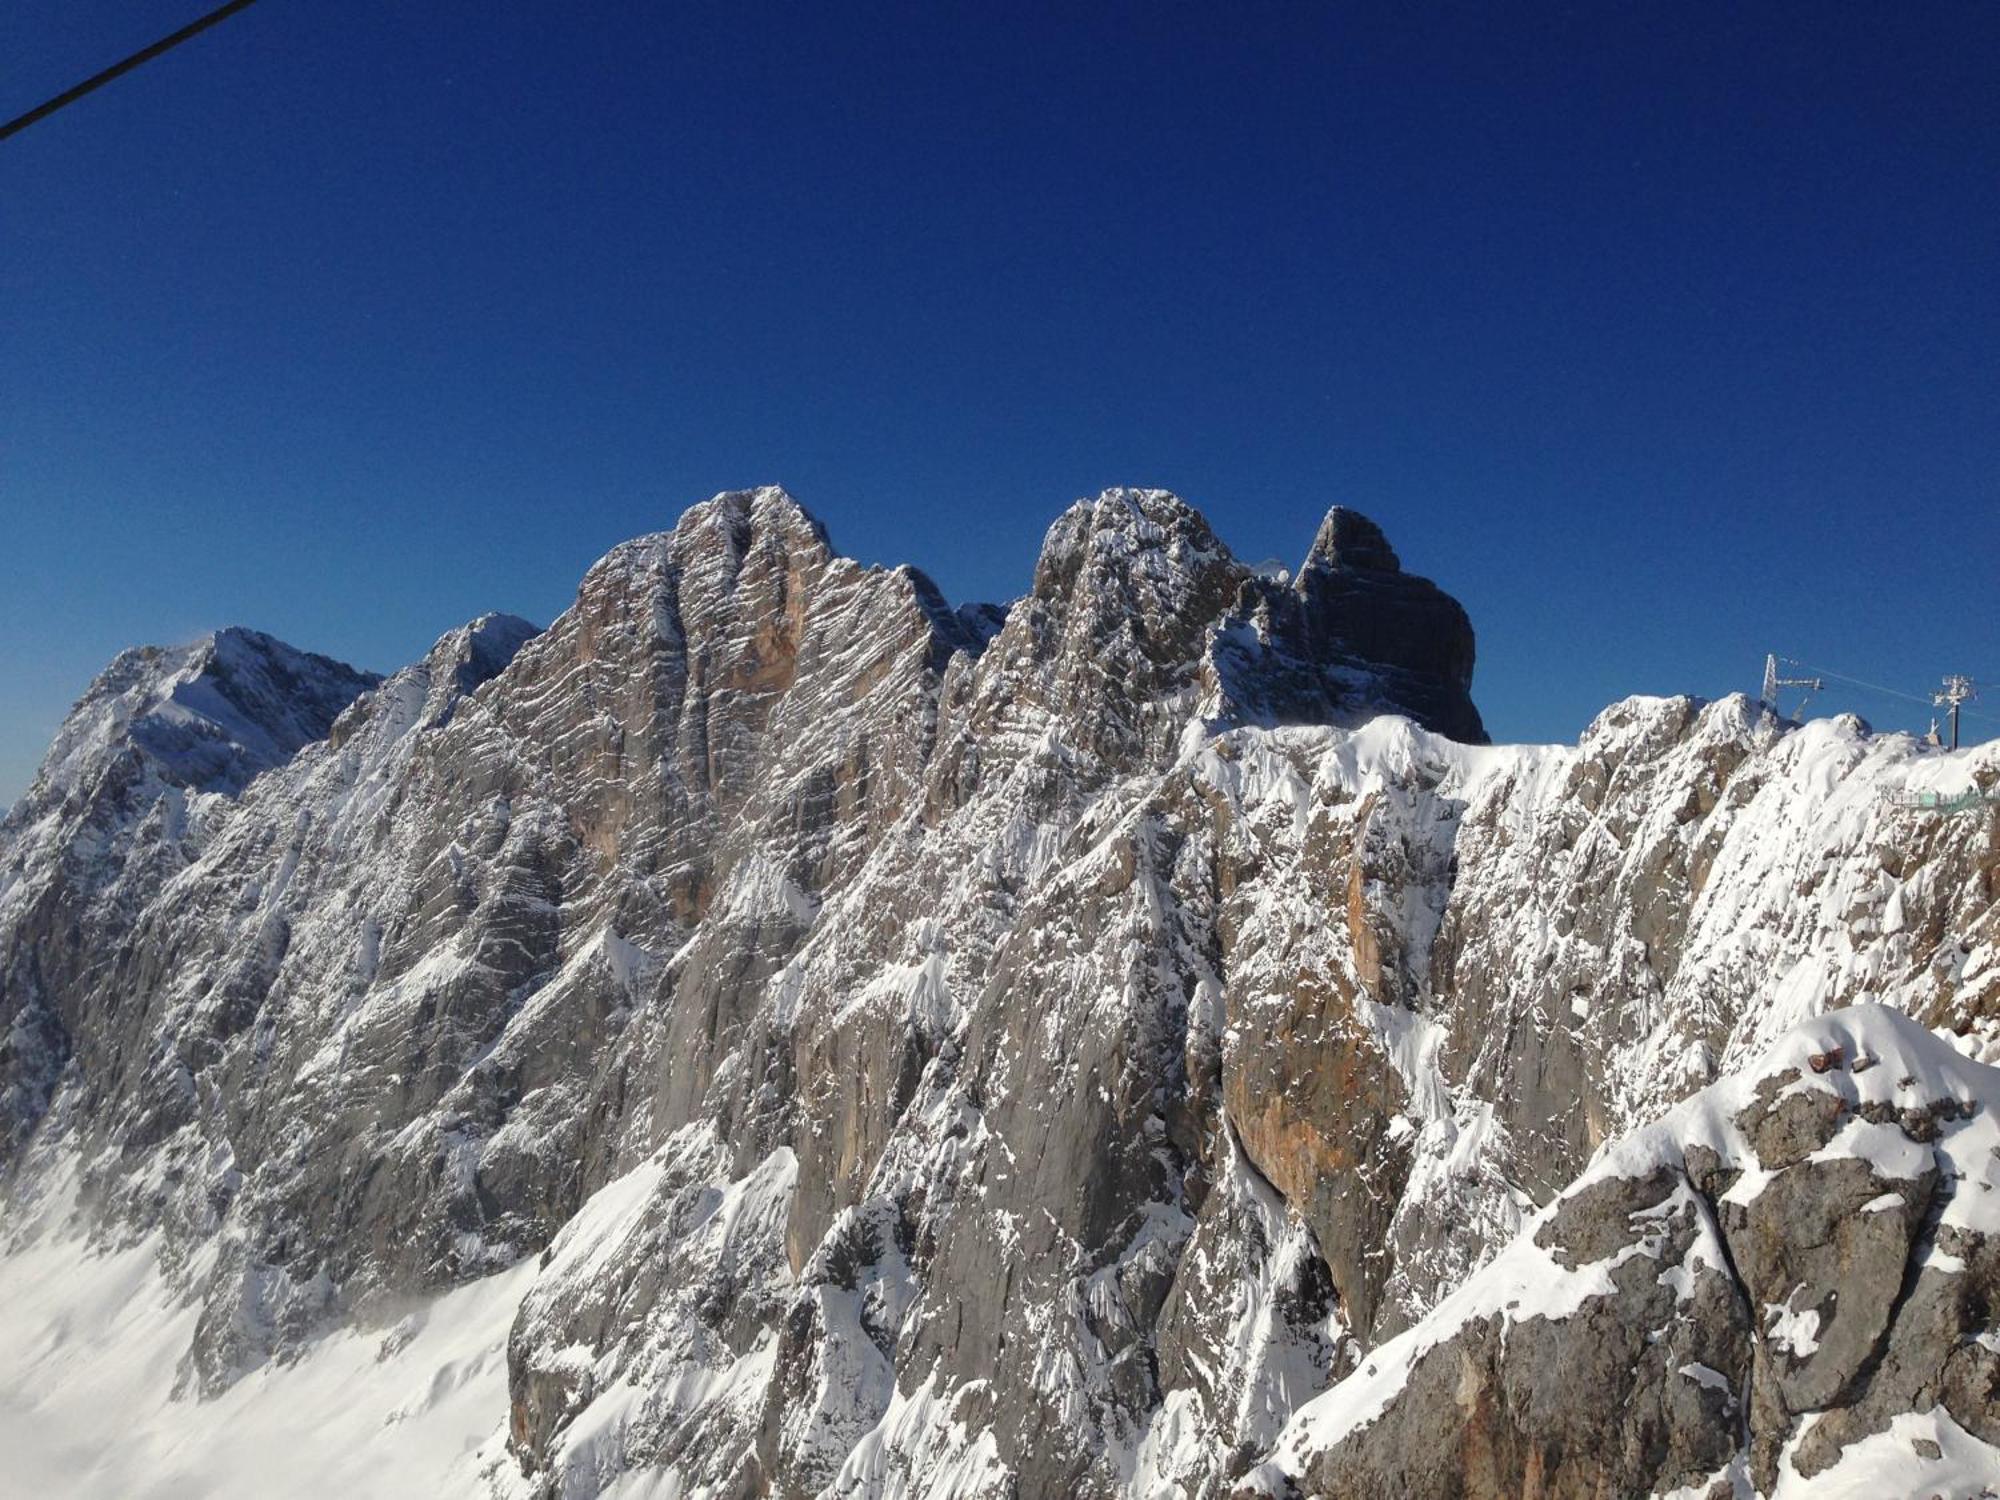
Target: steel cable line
[
  {"x": 119, "y": 69},
  {"x": 1876, "y": 687},
  {"x": 1873, "y": 687}
]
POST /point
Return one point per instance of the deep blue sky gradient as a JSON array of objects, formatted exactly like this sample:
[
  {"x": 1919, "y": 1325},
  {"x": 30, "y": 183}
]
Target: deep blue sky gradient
[{"x": 1661, "y": 334}]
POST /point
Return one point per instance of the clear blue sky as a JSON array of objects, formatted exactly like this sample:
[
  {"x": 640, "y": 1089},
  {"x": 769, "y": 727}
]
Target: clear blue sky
[{"x": 1661, "y": 334}]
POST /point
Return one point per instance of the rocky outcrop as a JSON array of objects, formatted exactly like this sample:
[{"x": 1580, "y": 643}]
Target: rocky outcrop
[
  {"x": 1782, "y": 1267},
  {"x": 1352, "y": 631}
]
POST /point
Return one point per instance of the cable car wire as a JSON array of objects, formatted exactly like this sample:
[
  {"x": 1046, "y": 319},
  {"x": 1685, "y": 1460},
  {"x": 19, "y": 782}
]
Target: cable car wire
[{"x": 119, "y": 69}]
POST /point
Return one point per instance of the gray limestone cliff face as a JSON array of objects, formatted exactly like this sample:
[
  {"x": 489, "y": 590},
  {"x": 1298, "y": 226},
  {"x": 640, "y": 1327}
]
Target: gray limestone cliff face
[
  {"x": 1019, "y": 1052},
  {"x": 1780, "y": 1269},
  {"x": 996, "y": 1140}
]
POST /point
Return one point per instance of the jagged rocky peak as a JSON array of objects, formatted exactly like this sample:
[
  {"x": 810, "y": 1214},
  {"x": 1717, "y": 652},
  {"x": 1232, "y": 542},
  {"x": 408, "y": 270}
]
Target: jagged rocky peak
[
  {"x": 1361, "y": 610},
  {"x": 206, "y": 716},
  {"x": 465, "y": 659},
  {"x": 1348, "y": 539},
  {"x": 1106, "y": 646},
  {"x": 1131, "y": 537},
  {"x": 748, "y": 580},
  {"x": 740, "y": 518},
  {"x": 719, "y": 535},
  {"x": 427, "y": 693},
  {"x": 753, "y": 556},
  {"x": 756, "y": 563},
  {"x": 1138, "y": 610},
  {"x": 1350, "y": 637}
]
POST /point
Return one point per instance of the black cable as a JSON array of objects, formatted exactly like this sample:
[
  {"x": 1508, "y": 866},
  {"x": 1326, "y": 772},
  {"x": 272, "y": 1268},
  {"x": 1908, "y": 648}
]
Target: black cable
[
  {"x": 1876, "y": 687},
  {"x": 118, "y": 69},
  {"x": 1873, "y": 687}
]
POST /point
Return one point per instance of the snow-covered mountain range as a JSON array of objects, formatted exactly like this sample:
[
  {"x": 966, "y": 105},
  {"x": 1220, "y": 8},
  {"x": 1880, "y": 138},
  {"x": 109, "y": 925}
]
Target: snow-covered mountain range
[{"x": 773, "y": 1033}]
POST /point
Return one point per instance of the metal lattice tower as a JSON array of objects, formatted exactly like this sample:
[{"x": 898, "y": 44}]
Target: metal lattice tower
[
  {"x": 1774, "y": 683},
  {"x": 1956, "y": 690}
]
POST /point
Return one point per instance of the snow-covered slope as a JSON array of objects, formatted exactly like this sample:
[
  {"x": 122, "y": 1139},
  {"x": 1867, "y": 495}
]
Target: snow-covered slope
[
  {"x": 91, "y": 1338},
  {"x": 901, "y": 1050}
]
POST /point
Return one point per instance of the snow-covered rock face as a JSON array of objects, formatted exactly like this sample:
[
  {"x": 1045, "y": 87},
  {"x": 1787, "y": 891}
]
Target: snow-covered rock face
[
  {"x": 152, "y": 754},
  {"x": 208, "y": 715},
  {"x": 1798, "y": 1259},
  {"x": 943, "y": 1052}
]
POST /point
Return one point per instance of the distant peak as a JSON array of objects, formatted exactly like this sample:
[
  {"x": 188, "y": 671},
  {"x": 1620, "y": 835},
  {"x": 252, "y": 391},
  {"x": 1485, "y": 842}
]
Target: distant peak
[
  {"x": 208, "y": 714},
  {"x": 234, "y": 646},
  {"x": 243, "y": 635},
  {"x": 460, "y": 662},
  {"x": 1348, "y": 539},
  {"x": 498, "y": 628},
  {"x": 484, "y": 645}
]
